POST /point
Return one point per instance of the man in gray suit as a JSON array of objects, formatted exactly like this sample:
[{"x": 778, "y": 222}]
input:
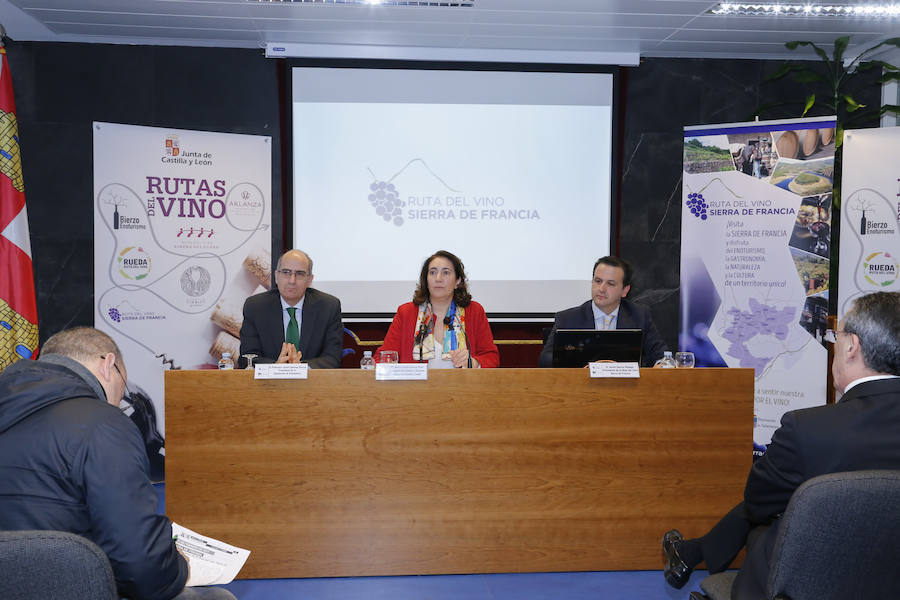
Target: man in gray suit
[
  {"x": 859, "y": 432},
  {"x": 608, "y": 309},
  {"x": 293, "y": 322}
]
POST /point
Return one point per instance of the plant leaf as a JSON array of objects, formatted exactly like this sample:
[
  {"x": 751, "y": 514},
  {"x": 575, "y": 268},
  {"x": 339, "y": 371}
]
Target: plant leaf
[
  {"x": 871, "y": 64},
  {"x": 809, "y": 76},
  {"x": 810, "y": 100},
  {"x": 783, "y": 70},
  {"x": 840, "y": 45},
  {"x": 822, "y": 54},
  {"x": 852, "y": 104},
  {"x": 889, "y": 77}
]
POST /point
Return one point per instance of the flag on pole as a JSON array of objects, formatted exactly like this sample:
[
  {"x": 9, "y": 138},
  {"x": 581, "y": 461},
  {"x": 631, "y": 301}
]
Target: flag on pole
[{"x": 18, "y": 309}]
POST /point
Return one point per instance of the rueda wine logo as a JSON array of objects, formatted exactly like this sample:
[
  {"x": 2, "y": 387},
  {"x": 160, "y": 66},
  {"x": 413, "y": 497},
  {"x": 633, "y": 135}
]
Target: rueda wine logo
[
  {"x": 134, "y": 263},
  {"x": 398, "y": 204},
  {"x": 880, "y": 269}
]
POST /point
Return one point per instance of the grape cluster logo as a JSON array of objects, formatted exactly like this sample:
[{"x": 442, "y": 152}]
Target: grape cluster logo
[
  {"x": 697, "y": 206},
  {"x": 385, "y": 199},
  {"x": 115, "y": 315},
  {"x": 384, "y": 194}
]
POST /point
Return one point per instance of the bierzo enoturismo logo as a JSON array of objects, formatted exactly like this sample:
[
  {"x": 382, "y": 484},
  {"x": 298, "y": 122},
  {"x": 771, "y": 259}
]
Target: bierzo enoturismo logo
[{"x": 134, "y": 263}]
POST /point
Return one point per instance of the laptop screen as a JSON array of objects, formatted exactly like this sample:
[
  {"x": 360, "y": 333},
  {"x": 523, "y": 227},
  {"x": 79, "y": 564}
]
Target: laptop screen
[{"x": 575, "y": 348}]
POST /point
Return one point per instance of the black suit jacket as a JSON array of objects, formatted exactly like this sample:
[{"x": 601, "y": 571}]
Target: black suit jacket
[
  {"x": 321, "y": 331},
  {"x": 862, "y": 431},
  {"x": 631, "y": 316}
]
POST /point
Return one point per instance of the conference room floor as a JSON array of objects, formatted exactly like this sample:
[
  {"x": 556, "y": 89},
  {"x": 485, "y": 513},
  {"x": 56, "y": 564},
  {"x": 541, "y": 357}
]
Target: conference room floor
[
  {"x": 614, "y": 585},
  {"x": 596, "y": 585}
]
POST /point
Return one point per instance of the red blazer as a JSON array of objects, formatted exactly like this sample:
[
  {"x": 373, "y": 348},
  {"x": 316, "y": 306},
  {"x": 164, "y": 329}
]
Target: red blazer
[{"x": 479, "y": 338}]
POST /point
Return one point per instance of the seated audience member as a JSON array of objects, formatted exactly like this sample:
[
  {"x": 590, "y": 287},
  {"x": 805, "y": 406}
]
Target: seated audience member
[
  {"x": 442, "y": 326},
  {"x": 859, "y": 432},
  {"x": 293, "y": 322},
  {"x": 608, "y": 309},
  {"x": 89, "y": 473}
]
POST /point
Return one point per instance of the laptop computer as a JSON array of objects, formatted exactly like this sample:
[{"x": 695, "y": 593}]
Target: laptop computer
[{"x": 574, "y": 348}]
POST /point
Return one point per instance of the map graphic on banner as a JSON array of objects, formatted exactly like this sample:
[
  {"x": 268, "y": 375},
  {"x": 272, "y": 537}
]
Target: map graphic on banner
[
  {"x": 755, "y": 252},
  {"x": 870, "y": 230},
  {"x": 182, "y": 236}
]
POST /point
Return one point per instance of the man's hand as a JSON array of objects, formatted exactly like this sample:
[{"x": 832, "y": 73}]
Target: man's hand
[
  {"x": 187, "y": 560},
  {"x": 289, "y": 354}
]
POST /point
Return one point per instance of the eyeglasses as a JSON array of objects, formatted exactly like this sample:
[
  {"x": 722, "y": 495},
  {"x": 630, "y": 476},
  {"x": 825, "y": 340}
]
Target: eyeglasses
[
  {"x": 288, "y": 273},
  {"x": 116, "y": 367},
  {"x": 831, "y": 335}
]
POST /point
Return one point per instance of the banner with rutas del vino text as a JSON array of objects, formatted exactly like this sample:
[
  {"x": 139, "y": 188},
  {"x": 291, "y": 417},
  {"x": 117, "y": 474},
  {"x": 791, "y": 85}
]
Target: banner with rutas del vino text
[
  {"x": 182, "y": 235},
  {"x": 755, "y": 254}
]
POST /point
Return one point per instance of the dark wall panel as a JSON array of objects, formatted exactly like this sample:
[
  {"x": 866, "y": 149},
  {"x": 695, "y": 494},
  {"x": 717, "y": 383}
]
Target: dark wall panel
[{"x": 62, "y": 88}]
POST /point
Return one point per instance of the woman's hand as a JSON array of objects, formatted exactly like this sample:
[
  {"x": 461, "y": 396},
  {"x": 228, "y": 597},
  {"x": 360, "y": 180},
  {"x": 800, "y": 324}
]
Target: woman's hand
[{"x": 460, "y": 358}]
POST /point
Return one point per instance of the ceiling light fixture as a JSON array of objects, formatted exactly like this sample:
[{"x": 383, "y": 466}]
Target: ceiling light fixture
[
  {"x": 437, "y": 3},
  {"x": 863, "y": 11}
]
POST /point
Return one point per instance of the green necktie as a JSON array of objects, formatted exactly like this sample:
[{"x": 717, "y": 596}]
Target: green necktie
[{"x": 293, "y": 331}]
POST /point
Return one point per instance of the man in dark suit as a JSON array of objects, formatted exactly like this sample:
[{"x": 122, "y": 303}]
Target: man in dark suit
[
  {"x": 608, "y": 309},
  {"x": 294, "y": 322},
  {"x": 859, "y": 432}
]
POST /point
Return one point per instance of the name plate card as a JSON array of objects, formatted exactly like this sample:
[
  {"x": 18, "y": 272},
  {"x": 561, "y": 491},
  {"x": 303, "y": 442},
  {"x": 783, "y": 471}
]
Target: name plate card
[
  {"x": 401, "y": 372},
  {"x": 615, "y": 369},
  {"x": 282, "y": 371}
]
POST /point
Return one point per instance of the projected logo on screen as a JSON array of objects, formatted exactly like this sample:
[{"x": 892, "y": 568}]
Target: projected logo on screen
[
  {"x": 385, "y": 199},
  {"x": 447, "y": 204}
]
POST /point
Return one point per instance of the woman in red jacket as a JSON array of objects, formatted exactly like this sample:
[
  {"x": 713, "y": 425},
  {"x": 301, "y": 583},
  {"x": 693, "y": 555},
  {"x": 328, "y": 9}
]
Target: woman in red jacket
[{"x": 442, "y": 326}]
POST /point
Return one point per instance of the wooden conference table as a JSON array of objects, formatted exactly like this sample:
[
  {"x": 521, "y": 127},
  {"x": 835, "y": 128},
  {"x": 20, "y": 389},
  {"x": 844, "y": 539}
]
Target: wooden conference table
[{"x": 474, "y": 471}]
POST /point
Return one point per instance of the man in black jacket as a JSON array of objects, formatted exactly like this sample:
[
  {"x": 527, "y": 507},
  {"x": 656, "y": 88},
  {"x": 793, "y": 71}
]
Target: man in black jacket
[
  {"x": 859, "y": 432},
  {"x": 294, "y": 322},
  {"x": 89, "y": 473},
  {"x": 608, "y": 309}
]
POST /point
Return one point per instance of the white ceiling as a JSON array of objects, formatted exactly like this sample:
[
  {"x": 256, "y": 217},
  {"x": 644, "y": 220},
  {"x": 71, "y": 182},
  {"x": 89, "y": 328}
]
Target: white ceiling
[{"x": 615, "y": 31}]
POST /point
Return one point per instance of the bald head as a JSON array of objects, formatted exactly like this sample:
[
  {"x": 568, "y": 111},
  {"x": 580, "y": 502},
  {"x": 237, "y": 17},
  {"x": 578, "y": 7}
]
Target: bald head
[
  {"x": 98, "y": 353},
  {"x": 297, "y": 255},
  {"x": 82, "y": 344}
]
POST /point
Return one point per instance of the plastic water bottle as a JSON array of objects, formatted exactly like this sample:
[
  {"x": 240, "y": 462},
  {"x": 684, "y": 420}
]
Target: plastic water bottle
[
  {"x": 225, "y": 362},
  {"x": 666, "y": 362},
  {"x": 367, "y": 362}
]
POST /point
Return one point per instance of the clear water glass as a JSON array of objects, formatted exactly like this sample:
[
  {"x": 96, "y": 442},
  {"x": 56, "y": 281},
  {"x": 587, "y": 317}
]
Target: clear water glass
[
  {"x": 388, "y": 356},
  {"x": 684, "y": 360}
]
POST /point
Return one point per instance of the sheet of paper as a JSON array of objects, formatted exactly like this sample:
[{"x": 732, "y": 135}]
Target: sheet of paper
[
  {"x": 615, "y": 369},
  {"x": 401, "y": 371},
  {"x": 212, "y": 562},
  {"x": 281, "y": 371}
]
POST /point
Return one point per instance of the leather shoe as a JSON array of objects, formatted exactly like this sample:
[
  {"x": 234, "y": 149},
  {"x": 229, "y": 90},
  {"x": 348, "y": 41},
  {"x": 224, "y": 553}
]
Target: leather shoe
[{"x": 676, "y": 570}]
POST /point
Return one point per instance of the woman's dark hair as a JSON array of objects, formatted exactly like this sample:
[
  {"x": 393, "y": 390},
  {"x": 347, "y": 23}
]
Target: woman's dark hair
[{"x": 461, "y": 294}]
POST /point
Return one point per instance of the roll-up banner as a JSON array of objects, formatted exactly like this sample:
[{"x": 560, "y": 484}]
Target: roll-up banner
[
  {"x": 182, "y": 235},
  {"x": 755, "y": 253},
  {"x": 870, "y": 212}
]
